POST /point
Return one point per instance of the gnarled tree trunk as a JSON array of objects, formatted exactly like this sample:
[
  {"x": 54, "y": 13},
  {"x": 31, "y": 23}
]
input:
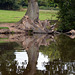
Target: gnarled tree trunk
[
  {"x": 31, "y": 21},
  {"x": 33, "y": 10}
]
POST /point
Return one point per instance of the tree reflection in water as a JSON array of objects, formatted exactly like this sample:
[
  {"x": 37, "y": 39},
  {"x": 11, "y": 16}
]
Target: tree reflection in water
[{"x": 37, "y": 55}]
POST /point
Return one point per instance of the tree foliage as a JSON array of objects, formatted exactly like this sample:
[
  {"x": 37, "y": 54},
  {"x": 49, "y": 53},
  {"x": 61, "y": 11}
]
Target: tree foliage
[
  {"x": 16, "y": 4},
  {"x": 66, "y": 15},
  {"x": 12, "y": 4}
]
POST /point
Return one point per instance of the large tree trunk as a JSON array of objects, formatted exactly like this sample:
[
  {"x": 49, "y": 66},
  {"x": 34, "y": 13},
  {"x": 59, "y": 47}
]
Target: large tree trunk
[
  {"x": 31, "y": 21},
  {"x": 33, "y": 10}
]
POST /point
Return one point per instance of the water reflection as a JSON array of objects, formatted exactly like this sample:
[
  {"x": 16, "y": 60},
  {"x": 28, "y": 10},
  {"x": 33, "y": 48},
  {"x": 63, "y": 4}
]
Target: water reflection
[
  {"x": 37, "y": 55},
  {"x": 22, "y": 59},
  {"x": 42, "y": 61}
]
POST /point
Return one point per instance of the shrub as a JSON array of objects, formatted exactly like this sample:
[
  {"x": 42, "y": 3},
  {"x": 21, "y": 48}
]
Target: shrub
[
  {"x": 42, "y": 7},
  {"x": 66, "y": 15},
  {"x": 16, "y": 7}
]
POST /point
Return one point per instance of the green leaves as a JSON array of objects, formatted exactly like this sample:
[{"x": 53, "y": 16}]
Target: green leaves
[{"x": 66, "y": 15}]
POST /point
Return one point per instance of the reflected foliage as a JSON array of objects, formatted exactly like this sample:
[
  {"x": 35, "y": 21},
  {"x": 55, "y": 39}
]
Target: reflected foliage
[
  {"x": 66, "y": 47},
  {"x": 62, "y": 56},
  {"x": 51, "y": 51},
  {"x": 8, "y": 46},
  {"x": 58, "y": 67},
  {"x": 7, "y": 63}
]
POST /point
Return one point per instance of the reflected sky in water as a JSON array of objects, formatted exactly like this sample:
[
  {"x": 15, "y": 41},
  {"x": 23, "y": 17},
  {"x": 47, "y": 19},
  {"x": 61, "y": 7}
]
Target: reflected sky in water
[
  {"x": 22, "y": 60},
  {"x": 42, "y": 60},
  {"x": 37, "y": 55}
]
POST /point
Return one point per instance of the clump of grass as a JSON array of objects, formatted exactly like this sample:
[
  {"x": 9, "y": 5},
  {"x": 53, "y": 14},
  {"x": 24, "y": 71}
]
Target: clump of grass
[
  {"x": 12, "y": 32},
  {"x": 3, "y": 38},
  {"x": 4, "y": 28},
  {"x": 47, "y": 27}
]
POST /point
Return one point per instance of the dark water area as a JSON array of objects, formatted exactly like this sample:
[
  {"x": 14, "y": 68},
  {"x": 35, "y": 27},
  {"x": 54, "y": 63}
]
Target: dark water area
[{"x": 37, "y": 54}]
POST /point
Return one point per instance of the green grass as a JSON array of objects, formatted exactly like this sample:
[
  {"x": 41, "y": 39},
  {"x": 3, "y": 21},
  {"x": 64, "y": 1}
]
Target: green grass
[
  {"x": 14, "y": 16},
  {"x": 3, "y": 42},
  {"x": 48, "y": 14},
  {"x": 3, "y": 38},
  {"x": 4, "y": 28}
]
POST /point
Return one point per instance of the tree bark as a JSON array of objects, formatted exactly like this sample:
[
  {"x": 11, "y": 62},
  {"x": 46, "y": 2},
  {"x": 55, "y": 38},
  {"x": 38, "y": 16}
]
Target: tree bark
[{"x": 33, "y": 10}]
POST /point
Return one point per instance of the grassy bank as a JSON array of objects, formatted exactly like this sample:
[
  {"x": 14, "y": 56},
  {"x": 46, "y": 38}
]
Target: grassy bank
[
  {"x": 4, "y": 28},
  {"x": 14, "y": 16}
]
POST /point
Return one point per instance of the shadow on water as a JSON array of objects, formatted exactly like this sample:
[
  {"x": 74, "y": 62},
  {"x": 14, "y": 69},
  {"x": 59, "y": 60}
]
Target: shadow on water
[{"x": 37, "y": 55}]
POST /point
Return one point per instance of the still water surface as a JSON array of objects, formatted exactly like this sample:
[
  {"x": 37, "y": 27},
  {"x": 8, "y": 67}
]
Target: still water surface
[{"x": 37, "y": 55}]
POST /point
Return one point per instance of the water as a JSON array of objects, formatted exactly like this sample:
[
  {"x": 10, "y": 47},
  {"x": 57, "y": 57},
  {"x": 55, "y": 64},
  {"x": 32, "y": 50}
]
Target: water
[{"x": 37, "y": 55}]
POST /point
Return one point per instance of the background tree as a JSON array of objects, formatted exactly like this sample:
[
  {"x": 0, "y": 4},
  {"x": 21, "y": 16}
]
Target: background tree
[
  {"x": 16, "y": 4},
  {"x": 10, "y": 4},
  {"x": 66, "y": 15}
]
